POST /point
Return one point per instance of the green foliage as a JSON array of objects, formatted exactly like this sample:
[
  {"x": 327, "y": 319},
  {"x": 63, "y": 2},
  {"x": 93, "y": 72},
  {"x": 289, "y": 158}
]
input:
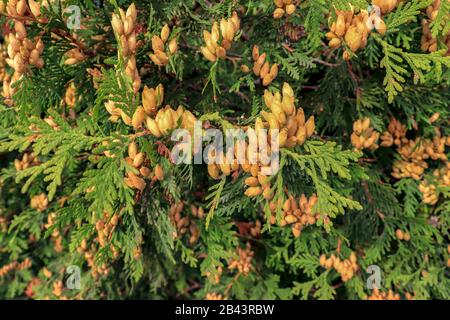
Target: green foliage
[{"x": 130, "y": 243}]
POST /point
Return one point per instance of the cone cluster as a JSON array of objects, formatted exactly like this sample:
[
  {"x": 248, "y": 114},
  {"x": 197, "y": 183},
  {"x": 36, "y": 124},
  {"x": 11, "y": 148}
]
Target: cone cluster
[
  {"x": 404, "y": 169},
  {"x": 293, "y": 130},
  {"x": 34, "y": 282},
  {"x": 124, "y": 25},
  {"x": 3, "y": 56},
  {"x": 15, "y": 266},
  {"x": 423, "y": 149},
  {"x": 353, "y": 30},
  {"x": 197, "y": 212},
  {"x": 283, "y": 115},
  {"x": 243, "y": 262},
  {"x": 89, "y": 255},
  {"x": 105, "y": 228},
  {"x": 152, "y": 99},
  {"x": 429, "y": 193},
  {"x": 132, "y": 72},
  {"x": 255, "y": 229},
  {"x": 7, "y": 90},
  {"x": 56, "y": 236},
  {"x": 396, "y": 134},
  {"x": 218, "y": 41},
  {"x": 19, "y": 8},
  {"x": 215, "y": 171},
  {"x": 448, "y": 259},
  {"x": 214, "y": 296},
  {"x": 297, "y": 213},
  {"x": 257, "y": 184},
  {"x": 22, "y": 51},
  {"x": 116, "y": 113},
  {"x": 185, "y": 225},
  {"x": 284, "y": 7},
  {"x": 74, "y": 56},
  {"x": 380, "y": 295},
  {"x": 28, "y": 160},
  {"x": 70, "y": 99},
  {"x": 262, "y": 68},
  {"x": 402, "y": 236},
  {"x": 58, "y": 288},
  {"x": 168, "y": 119},
  {"x": 346, "y": 268},
  {"x": 385, "y": 6},
  {"x": 39, "y": 202},
  {"x": 136, "y": 160},
  {"x": 215, "y": 278},
  {"x": 5, "y": 78},
  {"x": 428, "y": 42},
  {"x": 162, "y": 48},
  {"x": 364, "y": 136},
  {"x": 415, "y": 153},
  {"x": 441, "y": 179}
]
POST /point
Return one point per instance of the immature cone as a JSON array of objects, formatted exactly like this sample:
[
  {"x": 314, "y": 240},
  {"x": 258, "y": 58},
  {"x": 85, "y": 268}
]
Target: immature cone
[
  {"x": 297, "y": 213},
  {"x": 353, "y": 39},
  {"x": 173, "y": 46},
  {"x": 168, "y": 119},
  {"x": 184, "y": 224},
  {"x": 136, "y": 159},
  {"x": 22, "y": 52},
  {"x": 162, "y": 49},
  {"x": 292, "y": 128},
  {"x": 378, "y": 295},
  {"x": 262, "y": 68},
  {"x": 39, "y": 202},
  {"x": 352, "y": 30},
  {"x": 35, "y": 8},
  {"x": 152, "y": 99},
  {"x": 385, "y": 6},
  {"x": 346, "y": 268},
  {"x": 428, "y": 41},
  {"x": 138, "y": 117},
  {"x": 214, "y": 296},
  {"x": 363, "y": 136},
  {"x": 159, "y": 173},
  {"x": 283, "y": 7},
  {"x": 74, "y": 56},
  {"x": 219, "y": 40},
  {"x": 441, "y": 179},
  {"x": 28, "y": 160},
  {"x": 253, "y": 191},
  {"x": 243, "y": 260},
  {"x": 124, "y": 27}
]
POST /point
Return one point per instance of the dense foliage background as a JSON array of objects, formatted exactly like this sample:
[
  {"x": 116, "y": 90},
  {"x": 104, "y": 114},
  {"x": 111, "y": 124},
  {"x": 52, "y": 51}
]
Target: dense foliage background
[{"x": 86, "y": 179}]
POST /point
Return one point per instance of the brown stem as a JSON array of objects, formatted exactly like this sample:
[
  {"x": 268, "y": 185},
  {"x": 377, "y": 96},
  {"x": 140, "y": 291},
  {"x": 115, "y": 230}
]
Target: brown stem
[{"x": 230, "y": 285}]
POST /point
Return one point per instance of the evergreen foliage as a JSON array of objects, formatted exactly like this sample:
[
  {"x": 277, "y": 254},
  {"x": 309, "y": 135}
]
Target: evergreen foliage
[{"x": 64, "y": 195}]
